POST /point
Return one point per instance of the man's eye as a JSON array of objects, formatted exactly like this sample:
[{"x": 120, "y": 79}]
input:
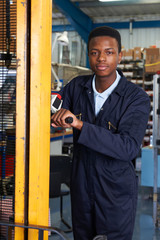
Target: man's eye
[
  {"x": 93, "y": 53},
  {"x": 109, "y": 53}
]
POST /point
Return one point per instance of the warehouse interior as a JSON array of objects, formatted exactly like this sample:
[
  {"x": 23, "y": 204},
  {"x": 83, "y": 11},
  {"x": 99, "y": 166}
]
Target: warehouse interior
[{"x": 33, "y": 69}]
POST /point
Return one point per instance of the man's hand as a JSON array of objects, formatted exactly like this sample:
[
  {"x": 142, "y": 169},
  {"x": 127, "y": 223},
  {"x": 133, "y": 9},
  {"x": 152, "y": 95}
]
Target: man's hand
[{"x": 58, "y": 119}]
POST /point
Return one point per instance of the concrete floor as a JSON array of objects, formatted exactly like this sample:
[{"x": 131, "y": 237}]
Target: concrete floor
[{"x": 144, "y": 227}]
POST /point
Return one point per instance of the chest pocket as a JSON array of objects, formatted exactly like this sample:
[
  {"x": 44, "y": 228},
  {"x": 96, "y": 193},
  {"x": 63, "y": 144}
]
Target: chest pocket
[
  {"x": 110, "y": 116},
  {"x": 84, "y": 107},
  {"x": 110, "y": 125},
  {"x": 77, "y": 107}
]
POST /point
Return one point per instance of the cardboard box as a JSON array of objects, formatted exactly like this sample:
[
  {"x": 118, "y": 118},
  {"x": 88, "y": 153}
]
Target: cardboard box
[
  {"x": 152, "y": 55},
  {"x": 152, "y": 68},
  {"x": 128, "y": 54},
  {"x": 123, "y": 54},
  {"x": 152, "y": 64},
  {"x": 137, "y": 53}
]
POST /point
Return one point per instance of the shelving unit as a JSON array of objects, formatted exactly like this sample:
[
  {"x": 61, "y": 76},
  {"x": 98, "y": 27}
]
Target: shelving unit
[
  {"x": 133, "y": 71},
  {"x": 148, "y": 87}
]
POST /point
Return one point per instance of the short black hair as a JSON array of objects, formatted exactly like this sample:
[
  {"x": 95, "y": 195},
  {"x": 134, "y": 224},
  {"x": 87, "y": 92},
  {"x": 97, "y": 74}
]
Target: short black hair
[{"x": 105, "y": 31}]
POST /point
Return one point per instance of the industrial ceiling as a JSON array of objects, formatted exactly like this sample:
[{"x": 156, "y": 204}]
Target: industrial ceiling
[
  {"x": 114, "y": 10},
  {"x": 83, "y": 15}
]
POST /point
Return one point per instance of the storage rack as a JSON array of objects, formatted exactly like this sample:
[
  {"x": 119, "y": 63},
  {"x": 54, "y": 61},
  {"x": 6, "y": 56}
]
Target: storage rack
[
  {"x": 148, "y": 87},
  {"x": 133, "y": 70},
  {"x": 156, "y": 145}
]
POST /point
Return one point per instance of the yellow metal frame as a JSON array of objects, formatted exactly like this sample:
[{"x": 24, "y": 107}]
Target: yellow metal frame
[
  {"x": 40, "y": 92},
  {"x": 20, "y": 118}
]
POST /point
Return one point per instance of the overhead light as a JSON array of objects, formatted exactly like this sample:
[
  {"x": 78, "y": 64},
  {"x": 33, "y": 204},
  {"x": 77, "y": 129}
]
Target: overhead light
[
  {"x": 60, "y": 38},
  {"x": 108, "y": 0},
  {"x": 63, "y": 38}
]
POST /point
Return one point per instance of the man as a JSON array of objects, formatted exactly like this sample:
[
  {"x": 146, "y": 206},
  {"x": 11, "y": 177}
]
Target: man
[{"x": 110, "y": 115}]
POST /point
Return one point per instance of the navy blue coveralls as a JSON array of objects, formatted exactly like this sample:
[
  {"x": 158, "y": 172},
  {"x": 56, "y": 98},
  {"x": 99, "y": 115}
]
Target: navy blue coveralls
[{"x": 103, "y": 181}]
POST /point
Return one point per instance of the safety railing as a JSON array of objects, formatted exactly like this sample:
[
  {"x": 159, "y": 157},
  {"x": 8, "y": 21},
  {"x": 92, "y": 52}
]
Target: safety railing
[{"x": 41, "y": 229}]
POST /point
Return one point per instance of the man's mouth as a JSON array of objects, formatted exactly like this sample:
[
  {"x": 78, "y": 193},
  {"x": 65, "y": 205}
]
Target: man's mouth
[{"x": 101, "y": 67}]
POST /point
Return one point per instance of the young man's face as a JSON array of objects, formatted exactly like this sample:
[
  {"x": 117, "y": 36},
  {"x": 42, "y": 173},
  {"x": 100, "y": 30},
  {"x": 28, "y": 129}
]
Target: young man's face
[{"x": 103, "y": 56}]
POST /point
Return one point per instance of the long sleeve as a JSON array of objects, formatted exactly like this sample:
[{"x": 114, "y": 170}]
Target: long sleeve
[{"x": 125, "y": 142}]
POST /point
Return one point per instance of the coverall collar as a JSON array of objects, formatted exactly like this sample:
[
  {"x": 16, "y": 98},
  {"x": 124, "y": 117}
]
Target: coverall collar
[{"x": 119, "y": 89}]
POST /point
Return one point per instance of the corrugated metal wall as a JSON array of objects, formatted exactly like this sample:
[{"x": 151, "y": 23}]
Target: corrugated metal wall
[{"x": 140, "y": 37}]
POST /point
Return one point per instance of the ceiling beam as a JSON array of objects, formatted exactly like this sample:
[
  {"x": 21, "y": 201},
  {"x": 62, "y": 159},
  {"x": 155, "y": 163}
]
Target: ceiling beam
[
  {"x": 79, "y": 20},
  {"x": 120, "y": 25}
]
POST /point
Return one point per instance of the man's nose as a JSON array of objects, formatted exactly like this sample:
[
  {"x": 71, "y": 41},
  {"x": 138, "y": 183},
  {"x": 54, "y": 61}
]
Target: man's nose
[{"x": 102, "y": 56}]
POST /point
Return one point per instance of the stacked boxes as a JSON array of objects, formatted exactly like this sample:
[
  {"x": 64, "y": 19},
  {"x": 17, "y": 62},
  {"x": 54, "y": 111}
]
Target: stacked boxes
[
  {"x": 132, "y": 54},
  {"x": 152, "y": 57},
  {"x": 137, "y": 54},
  {"x": 152, "y": 64},
  {"x": 128, "y": 54}
]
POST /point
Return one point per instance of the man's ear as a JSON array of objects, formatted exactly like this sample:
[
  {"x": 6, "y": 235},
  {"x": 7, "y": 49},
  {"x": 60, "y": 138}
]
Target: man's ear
[{"x": 119, "y": 57}]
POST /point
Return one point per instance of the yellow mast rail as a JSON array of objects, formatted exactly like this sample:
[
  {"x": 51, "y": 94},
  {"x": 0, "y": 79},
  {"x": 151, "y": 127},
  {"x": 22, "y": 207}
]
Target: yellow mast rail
[
  {"x": 20, "y": 117},
  {"x": 38, "y": 117},
  {"x": 40, "y": 95}
]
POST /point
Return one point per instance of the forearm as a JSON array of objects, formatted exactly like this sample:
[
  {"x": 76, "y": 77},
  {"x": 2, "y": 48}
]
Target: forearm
[{"x": 59, "y": 120}]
